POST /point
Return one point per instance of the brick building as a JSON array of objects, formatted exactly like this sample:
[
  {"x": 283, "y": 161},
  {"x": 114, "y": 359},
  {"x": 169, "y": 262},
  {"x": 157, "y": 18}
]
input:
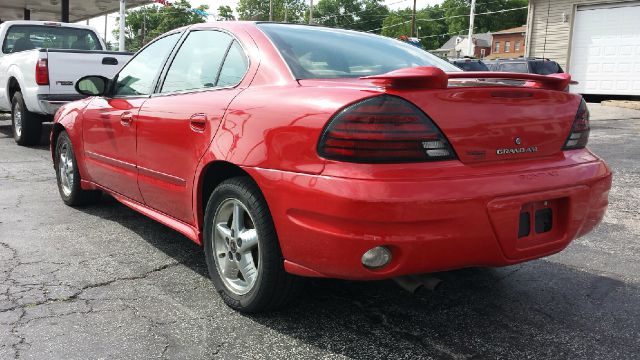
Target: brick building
[{"x": 509, "y": 43}]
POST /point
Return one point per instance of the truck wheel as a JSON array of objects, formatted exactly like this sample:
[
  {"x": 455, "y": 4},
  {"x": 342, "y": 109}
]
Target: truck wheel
[
  {"x": 27, "y": 126},
  {"x": 68, "y": 176},
  {"x": 242, "y": 249}
]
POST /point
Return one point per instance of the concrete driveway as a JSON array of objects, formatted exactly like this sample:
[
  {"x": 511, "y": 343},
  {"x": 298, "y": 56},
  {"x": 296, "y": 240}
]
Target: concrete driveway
[{"x": 106, "y": 282}]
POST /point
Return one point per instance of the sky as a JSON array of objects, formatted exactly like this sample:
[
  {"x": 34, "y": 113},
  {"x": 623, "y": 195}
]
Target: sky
[{"x": 98, "y": 23}]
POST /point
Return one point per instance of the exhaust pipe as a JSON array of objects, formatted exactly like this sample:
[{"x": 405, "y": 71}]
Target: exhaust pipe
[{"x": 412, "y": 283}]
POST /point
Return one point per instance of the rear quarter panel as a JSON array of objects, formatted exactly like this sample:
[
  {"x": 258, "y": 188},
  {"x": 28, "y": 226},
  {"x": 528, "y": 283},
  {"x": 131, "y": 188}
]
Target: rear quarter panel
[{"x": 278, "y": 127}]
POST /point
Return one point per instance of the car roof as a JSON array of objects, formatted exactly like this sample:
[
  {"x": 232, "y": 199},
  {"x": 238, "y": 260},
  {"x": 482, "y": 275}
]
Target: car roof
[{"x": 523, "y": 60}]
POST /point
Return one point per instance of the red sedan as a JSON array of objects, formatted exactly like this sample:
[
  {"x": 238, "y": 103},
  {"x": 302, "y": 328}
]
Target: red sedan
[{"x": 291, "y": 150}]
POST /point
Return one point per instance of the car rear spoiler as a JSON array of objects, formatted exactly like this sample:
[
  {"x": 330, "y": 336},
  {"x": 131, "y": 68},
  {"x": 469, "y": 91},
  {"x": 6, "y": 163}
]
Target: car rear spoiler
[{"x": 434, "y": 78}]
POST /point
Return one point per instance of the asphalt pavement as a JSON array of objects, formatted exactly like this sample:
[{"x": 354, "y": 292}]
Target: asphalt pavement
[{"x": 104, "y": 282}]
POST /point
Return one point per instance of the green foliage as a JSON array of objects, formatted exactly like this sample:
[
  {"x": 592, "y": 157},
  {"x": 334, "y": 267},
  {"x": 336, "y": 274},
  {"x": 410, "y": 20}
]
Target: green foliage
[
  {"x": 283, "y": 10},
  {"x": 430, "y": 25},
  {"x": 435, "y": 24},
  {"x": 225, "y": 13},
  {"x": 457, "y": 12},
  {"x": 146, "y": 23},
  {"x": 362, "y": 15}
]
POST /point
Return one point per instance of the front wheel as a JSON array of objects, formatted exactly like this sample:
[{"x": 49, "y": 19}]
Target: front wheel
[
  {"x": 27, "y": 126},
  {"x": 242, "y": 250},
  {"x": 68, "y": 176}
]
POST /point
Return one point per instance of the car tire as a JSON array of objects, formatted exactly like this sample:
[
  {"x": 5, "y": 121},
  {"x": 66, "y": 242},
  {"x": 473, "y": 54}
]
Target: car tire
[
  {"x": 68, "y": 176},
  {"x": 229, "y": 260},
  {"x": 26, "y": 126}
]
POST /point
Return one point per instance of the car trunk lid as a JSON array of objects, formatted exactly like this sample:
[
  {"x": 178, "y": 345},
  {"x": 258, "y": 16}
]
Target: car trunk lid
[
  {"x": 486, "y": 116},
  {"x": 499, "y": 123}
]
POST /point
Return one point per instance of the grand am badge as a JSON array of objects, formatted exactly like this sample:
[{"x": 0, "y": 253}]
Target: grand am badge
[{"x": 520, "y": 150}]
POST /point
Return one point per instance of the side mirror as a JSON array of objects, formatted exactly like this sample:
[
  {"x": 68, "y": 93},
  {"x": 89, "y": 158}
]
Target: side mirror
[{"x": 92, "y": 85}]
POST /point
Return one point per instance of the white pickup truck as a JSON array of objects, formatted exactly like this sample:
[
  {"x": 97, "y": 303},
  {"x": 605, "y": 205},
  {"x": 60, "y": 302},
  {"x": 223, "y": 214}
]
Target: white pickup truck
[{"x": 40, "y": 63}]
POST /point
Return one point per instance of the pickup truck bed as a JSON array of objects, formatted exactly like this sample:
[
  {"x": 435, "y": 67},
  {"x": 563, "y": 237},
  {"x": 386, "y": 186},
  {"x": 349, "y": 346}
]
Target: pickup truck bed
[
  {"x": 41, "y": 63},
  {"x": 62, "y": 79}
]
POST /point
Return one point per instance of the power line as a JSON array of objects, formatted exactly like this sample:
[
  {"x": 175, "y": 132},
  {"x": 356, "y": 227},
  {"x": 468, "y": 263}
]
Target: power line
[
  {"x": 449, "y": 17},
  {"x": 355, "y": 12},
  {"x": 439, "y": 35},
  {"x": 407, "y": 15}
]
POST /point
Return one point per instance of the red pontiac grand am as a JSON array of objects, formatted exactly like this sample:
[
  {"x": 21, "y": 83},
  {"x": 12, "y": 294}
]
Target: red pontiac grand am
[{"x": 292, "y": 150}]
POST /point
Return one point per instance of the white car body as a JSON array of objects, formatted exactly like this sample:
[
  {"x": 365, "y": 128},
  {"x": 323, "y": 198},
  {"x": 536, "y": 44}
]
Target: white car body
[{"x": 65, "y": 67}]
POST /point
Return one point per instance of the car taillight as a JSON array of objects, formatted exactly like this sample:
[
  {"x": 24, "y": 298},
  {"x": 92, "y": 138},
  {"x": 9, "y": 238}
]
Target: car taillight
[
  {"x": 42, "y": 72},
  {"x": 579, "y": 135},
  {"x": 383, "y": 129}
]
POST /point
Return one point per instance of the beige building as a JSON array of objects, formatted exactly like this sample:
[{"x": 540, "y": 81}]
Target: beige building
[{"x": 597, "y": 41}]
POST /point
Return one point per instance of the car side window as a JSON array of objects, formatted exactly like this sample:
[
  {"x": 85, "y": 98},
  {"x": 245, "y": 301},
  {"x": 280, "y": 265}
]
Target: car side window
[
  {"x": 234, "y": 67},
  {"x": 138, "y": 76},
  {"x": 197, "y": 62}
]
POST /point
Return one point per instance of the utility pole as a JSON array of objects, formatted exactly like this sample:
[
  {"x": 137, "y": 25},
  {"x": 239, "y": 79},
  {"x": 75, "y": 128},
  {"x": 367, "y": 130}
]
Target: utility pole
[
  {"x": 122, "y": 19},
  {"x": 105, "y": 28},
  {"x": 144, "y": 25},
  {"x": 311, "y": 12},
  {"x": 270, "y": 10},
  {"x": 413, "y": 20},
  {"x": 285, "y": 11},
  {"x": 472, "y": 16}
]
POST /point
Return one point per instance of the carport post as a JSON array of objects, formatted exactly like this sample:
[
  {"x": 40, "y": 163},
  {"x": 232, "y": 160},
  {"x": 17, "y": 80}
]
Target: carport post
[
  {"x": 122, "y": 18},
  {"x": 27, "y": 14},
  {"x": 64, "y": 11}
]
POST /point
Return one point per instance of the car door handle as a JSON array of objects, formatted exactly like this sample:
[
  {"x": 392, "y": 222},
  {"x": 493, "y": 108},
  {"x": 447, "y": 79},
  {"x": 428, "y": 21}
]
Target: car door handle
[
  {"x": 109, "y": 61},
  {"x": 198, "y": 122},
  {"x": 126, "y": 118}
]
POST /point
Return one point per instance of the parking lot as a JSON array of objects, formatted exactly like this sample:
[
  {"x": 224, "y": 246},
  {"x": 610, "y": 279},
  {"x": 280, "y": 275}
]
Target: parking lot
[{"x": 107, "y": 282}]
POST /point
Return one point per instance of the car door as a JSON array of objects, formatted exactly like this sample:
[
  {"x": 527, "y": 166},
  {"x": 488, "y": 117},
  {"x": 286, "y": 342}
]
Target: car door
[
  {"x": 109, "y": 123},
  {"x": 176, "y": 125}
]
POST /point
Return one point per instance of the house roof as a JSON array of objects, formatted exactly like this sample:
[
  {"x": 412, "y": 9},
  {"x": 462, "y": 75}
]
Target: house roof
[
  {"x": 482, "y": 40},
  {"x": 519, "y": 29}
]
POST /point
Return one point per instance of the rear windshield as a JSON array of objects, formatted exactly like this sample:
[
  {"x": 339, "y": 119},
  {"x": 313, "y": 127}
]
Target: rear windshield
[
  {"x": 471, "y": 65},
  {"x": 320, "y": 53},
  {"x": 517, "y": 67},
  {"x": 545, "y": 67},
  {"x": 28, "y": 37}
]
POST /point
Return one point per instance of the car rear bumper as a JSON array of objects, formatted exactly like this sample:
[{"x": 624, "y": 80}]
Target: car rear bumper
[
  {"x": 326, "y": 223},
  {"x": 50, "y": 103}
]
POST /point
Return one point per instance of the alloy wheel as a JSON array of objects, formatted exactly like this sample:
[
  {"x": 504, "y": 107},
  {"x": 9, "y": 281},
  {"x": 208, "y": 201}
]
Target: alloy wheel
[
  {"x": 65, "y": 168},
  {"x": 235, "y": 246}
]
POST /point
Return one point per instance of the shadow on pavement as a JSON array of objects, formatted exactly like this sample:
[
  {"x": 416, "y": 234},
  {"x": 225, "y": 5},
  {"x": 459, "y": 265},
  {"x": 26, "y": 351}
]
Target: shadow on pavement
[
  {"x": 6, "y": 131},
  {"x": 540, "y": 309}
]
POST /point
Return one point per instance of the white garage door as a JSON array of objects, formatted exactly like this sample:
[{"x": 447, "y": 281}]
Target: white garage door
[{"x": 605, "y": 50}]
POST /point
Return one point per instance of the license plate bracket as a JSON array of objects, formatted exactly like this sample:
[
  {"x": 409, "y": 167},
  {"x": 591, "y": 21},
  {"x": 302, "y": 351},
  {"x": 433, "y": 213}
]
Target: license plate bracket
[{"x": 537, "y": 218}]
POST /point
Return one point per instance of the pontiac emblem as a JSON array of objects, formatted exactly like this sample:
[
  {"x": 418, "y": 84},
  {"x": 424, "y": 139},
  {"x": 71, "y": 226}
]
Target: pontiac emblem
[{"x": 518, "y": 141}]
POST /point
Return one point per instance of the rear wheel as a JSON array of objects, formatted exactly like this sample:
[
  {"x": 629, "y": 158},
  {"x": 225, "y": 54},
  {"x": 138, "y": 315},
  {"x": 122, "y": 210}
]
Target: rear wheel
[
  {"x": 27, "y": 126},
  {"x": 242, "y": 250},
  {"x": 68, "y": 176}
]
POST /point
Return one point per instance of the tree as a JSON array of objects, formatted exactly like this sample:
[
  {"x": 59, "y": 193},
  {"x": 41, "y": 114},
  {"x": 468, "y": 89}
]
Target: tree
[
  {"x": 283, "y": 10},
  {"x": 363, "y": 15},
  {"x": 148, "y": 22},
  {"x": 457, "y": 12},
  {"x": 225, "y": 13},
  {"x": 429, "y": 23}
]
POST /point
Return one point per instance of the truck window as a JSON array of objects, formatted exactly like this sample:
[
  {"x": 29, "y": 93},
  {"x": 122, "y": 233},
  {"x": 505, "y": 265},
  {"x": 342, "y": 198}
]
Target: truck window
[
  {"x": 28, "y": 37},
  {"x": 517, "y": 67}
]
